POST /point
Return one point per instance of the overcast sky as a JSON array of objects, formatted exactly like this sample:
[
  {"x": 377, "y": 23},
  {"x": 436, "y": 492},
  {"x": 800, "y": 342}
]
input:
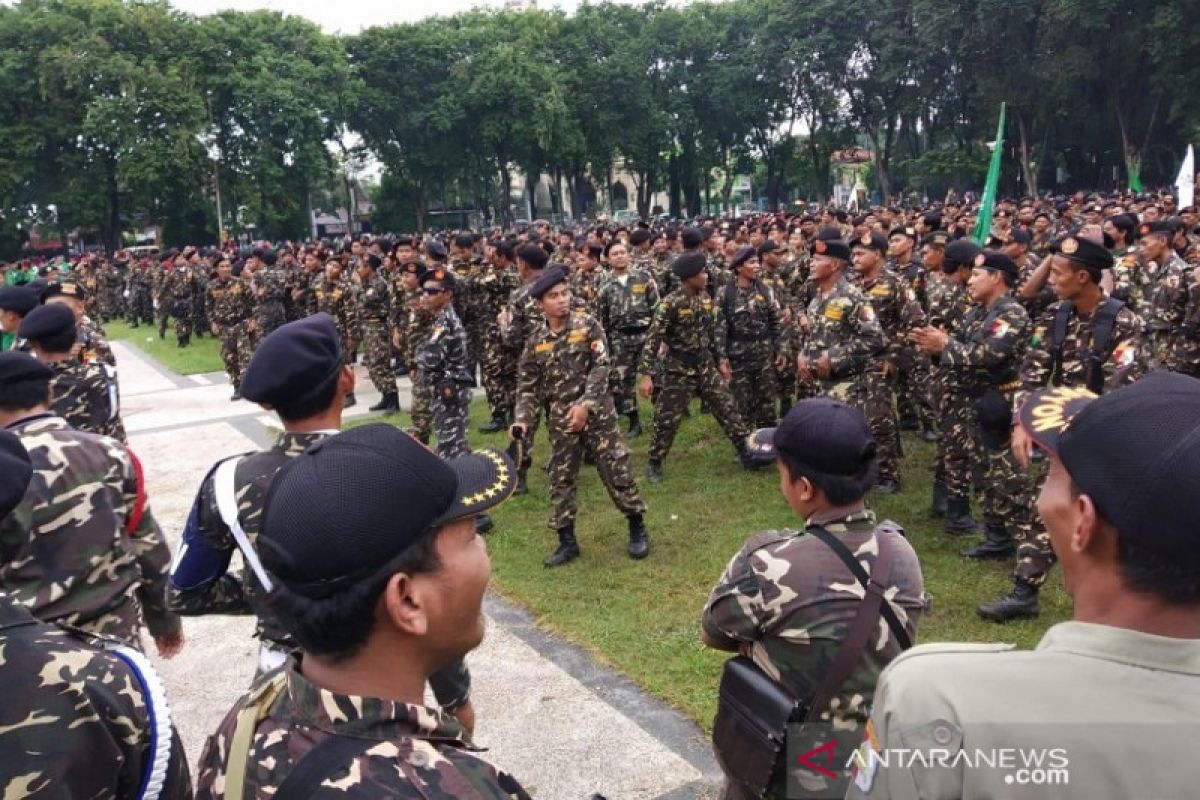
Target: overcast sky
[{"x": 351, "y": 16}]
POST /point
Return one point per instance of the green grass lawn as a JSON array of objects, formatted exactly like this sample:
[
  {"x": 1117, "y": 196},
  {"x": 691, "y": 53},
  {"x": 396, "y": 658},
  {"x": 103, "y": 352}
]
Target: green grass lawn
[
  {"x": 643, "y": 616},
  {"x": 202, "y": 355}
]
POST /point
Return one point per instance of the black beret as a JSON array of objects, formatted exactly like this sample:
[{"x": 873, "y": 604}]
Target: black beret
[
  {"x": 67, "y": 289},
  {"x": 551, "y": 277},
  {"x": 691, "y": 238},
  {"x": 1094, "y": 256},
  {"x": 961, "y": 253},
  {"x": 826, "y": 435},
  {"x": 999, "y": 262},
  {"x": 267, "y": 257},
  {"x": 436, "y": 250},
  {"x": 534, "y": 256},
  {"x": 373, "y": 261},
  {"x": 381, "y": 491},
  {"x": 688, "y": 264},
  {"x": 903, "y": 230},
  {"x": 936, "y": 239},
  {"x": 16, "y": 365},
  {"x": 47, "y": 322},
  {"x": 834, "y": 248},
  {"x": 871, "y": 240},
  {"x": 20, "y": 299},
  {"x": 443, "y": 276},
  {"x": 743, "y": 254},
  {"x": 293, "y": 362},
  {"x": 15, "y": 472},
  {"x": 768, "y": 246},
  {"x": 639, "y": 236}
]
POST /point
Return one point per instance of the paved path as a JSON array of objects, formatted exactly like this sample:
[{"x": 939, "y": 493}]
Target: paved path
[{"x": 564, "y": 725}]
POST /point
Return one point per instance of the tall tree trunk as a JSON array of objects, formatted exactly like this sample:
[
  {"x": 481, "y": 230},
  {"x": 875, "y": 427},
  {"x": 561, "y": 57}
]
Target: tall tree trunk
[
  {"x": 112, "y": 227},
  {"x": 1027, "y": 172},
  {"x": 674, "y": 189},
  {"x": 506, "y": 216}
]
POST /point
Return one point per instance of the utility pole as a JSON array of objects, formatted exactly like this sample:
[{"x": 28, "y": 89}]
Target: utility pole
[{"x": 217, "y": 182}]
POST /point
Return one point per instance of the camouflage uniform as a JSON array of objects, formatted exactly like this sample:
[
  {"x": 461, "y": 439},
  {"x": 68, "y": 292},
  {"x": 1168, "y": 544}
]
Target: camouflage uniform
[
  {"x": 85, "y": 395},
  {"x": 683, "y": 351},
  {"x": 561, "y": 370},
  {"x": 467, "y": 304},
  {"x": 162, "y": 306},
  {"x": 441, "y": 359},
  {"x": 417, "y": 326},
  {"x": 1039, "y": 303},
  {"x": 177, "y": 289},
  {"x": 1172, "y": 340},
  {"x": 780, "y": 281},
  {"x": 140, "y": 306},
  {"x": 201, "y": 323},
  {"x": 336, "y": 298},
  {"x": 229, "y": 305},
  {"x": 625, "y": 309},
  {"x": 585, "y": 288},
  {"x": 92, "y": 344},
  {"x": 498, "y": 366},
  {"x": 270, "y": 287},
  {"x": 82, "y": 548},
  {"x": 109, "y": 285},
  {"x": 912, "y": 375},
  {"x": 1129, "y": 279},
  {"x": 949, "y": 303},
  {"x": 420, "y": 754},
  {"x": 75, "y": 720},
  {"x": 526, "y": 315},
  {"x": 748, "y": 321},
  {"x": 374, "y": 306},
  {"x": 842, "y": 325},
  {"x": 1073, "y": 367},
  {"x": 789, "y": 596}
]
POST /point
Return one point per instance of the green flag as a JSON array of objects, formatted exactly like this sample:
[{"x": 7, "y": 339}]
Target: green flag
[
  {"x": 983, "y": 225},
  {"x": 1135, "y": 181}
]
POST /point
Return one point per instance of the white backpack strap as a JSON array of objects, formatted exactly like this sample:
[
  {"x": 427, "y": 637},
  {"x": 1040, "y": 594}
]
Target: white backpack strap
[{"x": 226, "y": 495}]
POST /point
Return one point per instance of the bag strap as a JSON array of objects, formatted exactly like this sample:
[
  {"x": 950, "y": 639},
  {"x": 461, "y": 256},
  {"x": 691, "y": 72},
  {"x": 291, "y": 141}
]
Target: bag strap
[
  {"x": 226, "y": 496},
  {"x": 258, "y": 705},
  {"x": 851, "y": 651},
  {"x": 835, "y": 544},
  {"x": 318, "y": 764}
]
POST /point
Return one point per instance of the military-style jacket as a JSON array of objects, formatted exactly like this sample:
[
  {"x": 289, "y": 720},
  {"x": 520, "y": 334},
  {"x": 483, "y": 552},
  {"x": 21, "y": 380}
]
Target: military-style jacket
[
  {"x": 563, "y": 369},
  {"x": 896, "y": 307},
  {"x": 442, "y": 354},
  {"x": 627, "y": 307},
  {"x": 82, "y": 548},
  {"x": 842, "y": 324},
  {"x": 748, "y": 325},
  {"x": 374, "y": 301},
  {"x": 85, "y": 395},
  {"x": 228, "y": 302},
  {"x": 92, "y": 344},
  {"x": 987, "y": 349},
  {"x": 685, "y": 327},
  {"x": 336, "y": 298},
  {"x": 586, "y": 286}
]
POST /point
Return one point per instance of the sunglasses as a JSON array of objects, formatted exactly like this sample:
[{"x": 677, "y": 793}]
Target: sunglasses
[{"x": 432, "y": 290}]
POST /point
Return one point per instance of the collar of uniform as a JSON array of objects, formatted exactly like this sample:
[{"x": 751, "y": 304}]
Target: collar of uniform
[
  {"x": 13, "y": 614},
  {"x": 370, "y": 717},
  {"x": 1124, "y": 646},
  {"x": 863, "y": 520},
  {"x": 37, "y": 423},
  {"x": 296, "y": 443}
]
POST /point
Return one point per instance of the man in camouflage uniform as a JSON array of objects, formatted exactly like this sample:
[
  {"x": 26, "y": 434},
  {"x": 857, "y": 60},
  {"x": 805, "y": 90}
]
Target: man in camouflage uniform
[
  {"x": 565, "y": 369},
  {"x": 178, "y": 288},
  {"x": 787, "y": 600},
  {"x": 1174, "y": 344},
  {"x": 334, "y": 296},
  {"x": 140, "y": 286},
  {"x": 624, "y": 309},
  {"x": 90, "y": 342},
  {"x": 406, "y": 532},
  {"x": 158, "y": 279},
  {"x": 202, "y": 270},
  {"x": 467, "y": 269},
  {"x": 980, "y": 361},
  {"x": 1086, "y": 341},
  {"x": 517, "y": 322},
  {"x": 299, "y": 371},
  {"x": 270, "y": 285},
  {"x": 374, "y": 305},
  {"x": 110, "y": 282},
  {"x": 228, "y": 306},
  {"x": 496, "y": 282},
  {"x": 441, "y": 359},
  {"x": 82, "y": 548},
  {"x": 778, "y": 274},
  {"x": 83, "y": 394},
  {"x": 684, "y": 354},
  {"x": 588, "y": 278},
  {"x": 748, "y": 318},
  {"x": 912, "y": 402},
  {"x": 77, "y": 719}
]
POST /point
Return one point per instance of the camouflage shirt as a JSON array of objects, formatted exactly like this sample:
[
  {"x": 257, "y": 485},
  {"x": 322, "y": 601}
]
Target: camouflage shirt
[
  {"x": 563, "y": 369},
  {"x": 842, "y": 324},
  {"x": 586, "y": 286},
  {"x": 203, "y": 566},
  {"x": 1172, "y": 338},
  {"x": 748, "y": 322},
  {"x": 86, "y": 396},
  {"x": 92, "y": 344},
  {"x": 789, "y": 596},
  {"x": 987, "y": 349},
  {"x": 686, "y": 328},
  {"x": 228, "y": 302},
  {"x": 896, "y": 307},
  {"x": 627, "y": 305},
  {"x": 336, "y": 298},
  {"x": 74, "y": 721},
  {"x": 374, "y": 300},
  {"x": 492, "y": 288},
  {"x": 442, "y": 354},
  {"x": 525, "y": 313},
  {"x": 949, "y": 302},
  {"x": 1129, "y": 278},
  {"x": 82, "y": 548},
  {"x": 421, "y": 754}
]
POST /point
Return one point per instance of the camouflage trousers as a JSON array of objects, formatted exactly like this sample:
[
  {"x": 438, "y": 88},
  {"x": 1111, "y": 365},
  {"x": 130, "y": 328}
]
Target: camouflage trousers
[
  {"x": 957, "y": 448},
  {"x": 140, "y": 308},
  {"x": 477, "y": 335},
  {"x": 912, "y": 390},
  {"x": 450, "y": 422},
  {"x": 422, "y": 407},
  {"x": 1035, "y": 557},
  {"x": 181, "y": 310},
  {"x": 377, "y": 355},
  {"x": 498, "y": 368},
  {"x": 604, "y": 441},
  {"x": 626, "y": 349},
  {"x": 753, "y": 386},
  {"x": 268, "y": 317},
  {"x": 785, "y": 385},
  {"x": 677, "y": 387},
  {"x": 873, "y": 393},
  {"x": 200, "y": 316},
  {"x": 235, "y": 350}
]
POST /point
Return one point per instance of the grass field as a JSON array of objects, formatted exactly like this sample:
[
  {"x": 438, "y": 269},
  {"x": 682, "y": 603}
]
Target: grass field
[
  {"x": 202, "y": 355},
  {"x": 642, "y": 616}
]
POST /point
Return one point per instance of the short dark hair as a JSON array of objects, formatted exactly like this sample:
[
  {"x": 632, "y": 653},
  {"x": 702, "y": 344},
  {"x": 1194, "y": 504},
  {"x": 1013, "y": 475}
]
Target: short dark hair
[
  {"x": 534, "y": 256},
  {"x": 839, "y": 490},
  {"x": 338, "y": 626},
  {"x": 59, "y": 343},
  {"x": 313, "y": 403},
  {"x": 20, "y": 395}
]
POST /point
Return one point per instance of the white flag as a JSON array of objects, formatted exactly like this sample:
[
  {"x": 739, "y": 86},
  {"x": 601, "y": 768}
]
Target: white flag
[{"x": 1185, "y": 184}]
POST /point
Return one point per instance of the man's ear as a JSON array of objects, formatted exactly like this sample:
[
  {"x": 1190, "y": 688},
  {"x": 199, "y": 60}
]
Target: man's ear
[
  {"x": 403, "y": 605},
  {"x": 1086, "y": 537}
]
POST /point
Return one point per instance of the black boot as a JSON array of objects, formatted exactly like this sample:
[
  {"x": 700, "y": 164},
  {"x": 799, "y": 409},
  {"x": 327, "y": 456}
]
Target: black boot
[
  {"x": 907, "y": 423},
  {"x": 1020, "y": 603},
  {"x": 388, "y": 401},
  {"x": 495, "y": 426},
  {"x": 785, "y": 405},
  {"x": 237, "y": 393},
  {"x": 887, "y": 486},
  {"x": 483, "y": 523},
  {"x": 401, "y": 370},
  {"x": 568, "y": 548},
  {"x": 930, "y": 435},
  {"x": 938, "y": 507},
  {"x": 351, "y": 400},
  {"x": 522, "y": 474},
  {"x": 654, "y": 472},
  {"x": 635, "y": 425},
  {"x": 958, "y": 517},
  {"x": 185, "y": 340},
  {"x": 639, "y": 539},
  {"x": 996, "y": 544}
]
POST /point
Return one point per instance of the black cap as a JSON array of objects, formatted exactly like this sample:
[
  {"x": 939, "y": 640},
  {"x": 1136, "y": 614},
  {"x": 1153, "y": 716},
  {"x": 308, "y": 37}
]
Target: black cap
[
  {"x": 552, "y": 276},
  {"x": 825, "y": 434},
  {"x": 768, "y": 246},
  {"x": 639, "y": 236},
  {"x": 20, "y": 299},
  {"x": 903, "y": 230},
  {"x": 688, "y": 264},
  {"x": 743, "y": 254},
  {"x": 15, "y": 472},
  {"x": 67, "y": 289},
  {"x": 47, "y": 322},
  {"x": 373, "y": 261},
  {"x": 936, "y": 239},
  {"x": 436, "y": 250},
  {"x": 1134, "y": 451},
  {"x": 380, "y": 491},
  {"x": 871, "y": 240},
  {"x": 1161, "y": 226},
  {"x": 995, "y": 260},
  {"x": 834, "y": 248},
  {"x": 1092, "y": 255},
  {"x": 16, "y": 366},
  {"x": 443, "y": 276},
  {"x": 961, "y": 253},
  {"x": 294, "y": 361}
]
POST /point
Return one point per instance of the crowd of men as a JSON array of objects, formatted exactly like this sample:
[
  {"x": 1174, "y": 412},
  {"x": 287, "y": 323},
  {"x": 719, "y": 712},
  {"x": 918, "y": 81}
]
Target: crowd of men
[{"x": 813, "y": 339}]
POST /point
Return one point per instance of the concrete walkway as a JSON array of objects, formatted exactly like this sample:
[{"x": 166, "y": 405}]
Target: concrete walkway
[{"x": 564, "y": 725}]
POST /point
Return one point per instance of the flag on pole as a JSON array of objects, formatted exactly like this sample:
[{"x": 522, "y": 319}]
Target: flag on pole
[
  {"x": 1135, "y": 180},
  {"x": 1185, "y": 182},
  {"x": 983, "y": 225}
]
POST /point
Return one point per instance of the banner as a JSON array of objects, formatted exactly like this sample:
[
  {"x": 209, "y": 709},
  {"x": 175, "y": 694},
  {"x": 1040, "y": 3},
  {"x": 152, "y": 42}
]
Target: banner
[{"x": 983, "y": 225}]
